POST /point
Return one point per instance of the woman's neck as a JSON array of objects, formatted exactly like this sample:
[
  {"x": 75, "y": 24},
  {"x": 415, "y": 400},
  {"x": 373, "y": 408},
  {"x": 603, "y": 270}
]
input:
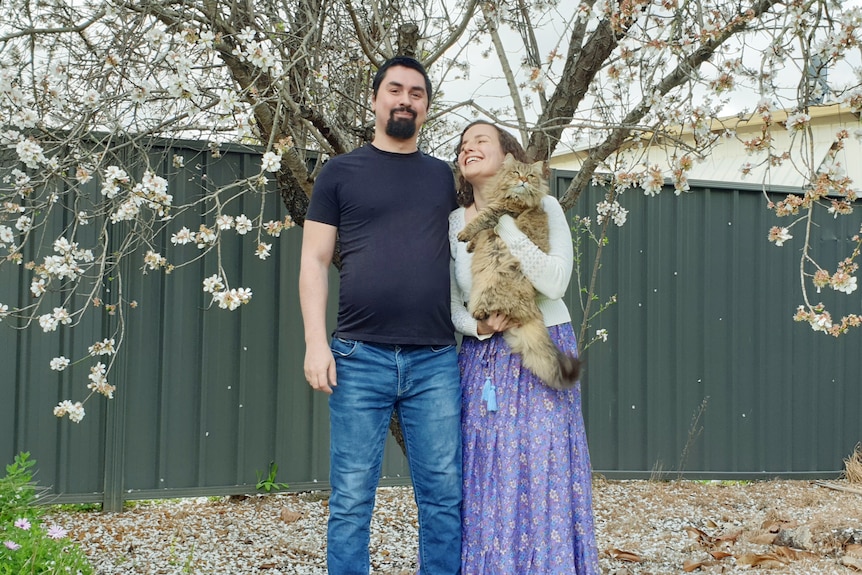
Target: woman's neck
[{"x": 478, "y": 199}]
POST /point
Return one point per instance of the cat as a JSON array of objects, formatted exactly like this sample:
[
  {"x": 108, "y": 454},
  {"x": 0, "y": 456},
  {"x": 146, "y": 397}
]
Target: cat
[{"x": 498, "y": 283}]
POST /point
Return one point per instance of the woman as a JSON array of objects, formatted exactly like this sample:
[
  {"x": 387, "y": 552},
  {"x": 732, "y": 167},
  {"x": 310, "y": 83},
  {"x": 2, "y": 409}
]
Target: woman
[{"x": 527, "y": 505}]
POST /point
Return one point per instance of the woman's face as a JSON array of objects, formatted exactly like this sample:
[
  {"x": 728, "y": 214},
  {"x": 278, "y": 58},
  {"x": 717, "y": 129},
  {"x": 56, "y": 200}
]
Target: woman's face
[{"x": 480, "y": 154}]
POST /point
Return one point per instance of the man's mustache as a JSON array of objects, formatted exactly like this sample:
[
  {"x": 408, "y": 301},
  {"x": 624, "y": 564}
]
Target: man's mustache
[{"x": 410, "y": 111}]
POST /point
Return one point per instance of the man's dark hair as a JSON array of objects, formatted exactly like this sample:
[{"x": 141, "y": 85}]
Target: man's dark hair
[{"x": 406, "y": 62}]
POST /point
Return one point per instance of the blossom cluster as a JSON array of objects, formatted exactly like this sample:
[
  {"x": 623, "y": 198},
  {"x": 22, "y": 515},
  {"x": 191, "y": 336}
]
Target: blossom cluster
[
  {"x": 821, "y": 320},
  {"x": 256, "y": 52},
  {"x": 207, "y": 236},
  {"x": 151, "y": 192},
  {"x": 75, "y": 411},
  {"x": 612, "y": 210},
  {"x": 65, "y": 264},
  {"x": 99, "y": 381},
  {"x": 779, "y": 235},
  {"x": 229, "y": 299}
]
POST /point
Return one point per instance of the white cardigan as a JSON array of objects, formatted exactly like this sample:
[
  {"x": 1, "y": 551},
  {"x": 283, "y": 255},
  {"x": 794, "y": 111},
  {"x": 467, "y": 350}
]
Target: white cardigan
[{"x": 549, "y": 273}]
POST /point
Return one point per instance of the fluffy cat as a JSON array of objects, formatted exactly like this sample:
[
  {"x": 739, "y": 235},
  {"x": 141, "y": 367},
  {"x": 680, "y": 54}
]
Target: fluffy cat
[{"x": 498, "y": 283}]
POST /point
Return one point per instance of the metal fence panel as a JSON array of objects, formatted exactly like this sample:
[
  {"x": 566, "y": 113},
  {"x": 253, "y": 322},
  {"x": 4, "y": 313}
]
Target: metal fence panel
[
  {"x": 704, "y": 317},
  {"x": 206, "y": 398}
]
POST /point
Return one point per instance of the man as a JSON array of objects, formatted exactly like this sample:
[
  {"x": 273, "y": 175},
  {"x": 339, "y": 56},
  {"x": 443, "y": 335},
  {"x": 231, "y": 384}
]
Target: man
[{"x": 394, "y": 344}]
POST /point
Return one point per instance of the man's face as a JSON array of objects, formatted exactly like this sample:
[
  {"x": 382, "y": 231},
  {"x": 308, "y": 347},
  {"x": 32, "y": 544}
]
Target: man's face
[{"x": 401, "y": 103}]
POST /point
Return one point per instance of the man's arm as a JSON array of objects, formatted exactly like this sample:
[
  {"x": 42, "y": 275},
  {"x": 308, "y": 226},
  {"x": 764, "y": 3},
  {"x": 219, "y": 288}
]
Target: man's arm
[{"x": 318, "y": 245}]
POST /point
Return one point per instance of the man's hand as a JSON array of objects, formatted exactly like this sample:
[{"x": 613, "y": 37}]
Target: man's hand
[{"x": 320, "y": 368}]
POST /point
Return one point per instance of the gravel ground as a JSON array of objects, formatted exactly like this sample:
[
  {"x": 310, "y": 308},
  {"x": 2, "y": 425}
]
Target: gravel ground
[{"x": 643, "y": 528}]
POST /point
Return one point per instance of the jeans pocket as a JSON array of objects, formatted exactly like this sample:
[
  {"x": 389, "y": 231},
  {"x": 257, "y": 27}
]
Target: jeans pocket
[
  {"x": 343, "y": 347},
  {"x": 442, "y": 348}
]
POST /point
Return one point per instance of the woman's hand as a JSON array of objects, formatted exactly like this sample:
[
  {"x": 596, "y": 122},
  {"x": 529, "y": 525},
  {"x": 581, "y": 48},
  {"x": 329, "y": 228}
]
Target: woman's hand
[{"x": 494, "y": 323}]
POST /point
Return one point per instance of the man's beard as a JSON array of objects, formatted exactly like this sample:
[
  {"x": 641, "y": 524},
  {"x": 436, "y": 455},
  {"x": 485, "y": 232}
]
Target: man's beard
[{"x": 401, "y": 128}]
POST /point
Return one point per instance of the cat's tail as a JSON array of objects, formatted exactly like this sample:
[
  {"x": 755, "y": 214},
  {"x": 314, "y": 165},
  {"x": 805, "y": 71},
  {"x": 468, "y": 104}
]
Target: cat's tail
[{"x": 539, "y": 354}]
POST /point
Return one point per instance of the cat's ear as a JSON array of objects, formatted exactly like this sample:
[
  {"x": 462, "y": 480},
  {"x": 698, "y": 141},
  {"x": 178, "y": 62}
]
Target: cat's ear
[
  {"x": 544, "y": 168},
  {"x": 509, "y": 158}
]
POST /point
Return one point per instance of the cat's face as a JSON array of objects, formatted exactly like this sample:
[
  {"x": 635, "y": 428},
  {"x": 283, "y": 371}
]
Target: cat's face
[{"x": 521, "y": 180}]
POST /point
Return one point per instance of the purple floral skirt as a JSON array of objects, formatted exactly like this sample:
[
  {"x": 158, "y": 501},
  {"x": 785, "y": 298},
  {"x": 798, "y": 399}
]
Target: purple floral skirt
[{"x": 527, "y": 490}]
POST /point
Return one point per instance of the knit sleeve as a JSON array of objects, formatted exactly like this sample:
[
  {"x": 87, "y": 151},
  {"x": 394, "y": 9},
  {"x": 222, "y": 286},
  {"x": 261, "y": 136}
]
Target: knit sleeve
[
  {"x": 548, "y": 272},
  {"x": 463, "y": 321}
]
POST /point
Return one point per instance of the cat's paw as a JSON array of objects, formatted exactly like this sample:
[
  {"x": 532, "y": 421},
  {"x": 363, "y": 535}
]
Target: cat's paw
[
  {"x": 471, "y": 246},
  {"x": 481, "y": 314},
  {"x": 463, "y": 236}
]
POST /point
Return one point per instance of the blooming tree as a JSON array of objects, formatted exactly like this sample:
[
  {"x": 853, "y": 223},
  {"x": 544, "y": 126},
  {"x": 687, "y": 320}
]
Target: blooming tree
[{"x": 91, "y": 91}]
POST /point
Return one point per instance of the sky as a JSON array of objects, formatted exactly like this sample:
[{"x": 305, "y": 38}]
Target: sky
[{"x": 485, "y": 85}]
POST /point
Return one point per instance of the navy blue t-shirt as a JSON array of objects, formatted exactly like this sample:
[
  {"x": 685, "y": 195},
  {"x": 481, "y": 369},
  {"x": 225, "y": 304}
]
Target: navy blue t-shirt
[{"x": 391, "y": 211}]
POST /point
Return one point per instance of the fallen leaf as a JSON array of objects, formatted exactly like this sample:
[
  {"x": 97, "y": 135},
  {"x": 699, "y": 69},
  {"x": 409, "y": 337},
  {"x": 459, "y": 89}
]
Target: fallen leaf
[
  {"x": 720, "y": 554},
  {"x": 700, "y": 536},
  {"x": 289, "y": 516},
  {"x": 854, "y": 550},
  {"x": 621, "y": 555},
  {"x": 793, "y": 554},
  {"x": 732, "y": 536},
  {"x": 690, "y": 565},
  {"x": 764, "y": 538},
  {"x": 776, "y": 525},
  {"x": 852, "y": 562},
  {"x": 767, "y": 560}
]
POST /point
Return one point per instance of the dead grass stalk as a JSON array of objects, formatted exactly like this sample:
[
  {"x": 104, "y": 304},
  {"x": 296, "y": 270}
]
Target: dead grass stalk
[{"x": 853, "y": 466}]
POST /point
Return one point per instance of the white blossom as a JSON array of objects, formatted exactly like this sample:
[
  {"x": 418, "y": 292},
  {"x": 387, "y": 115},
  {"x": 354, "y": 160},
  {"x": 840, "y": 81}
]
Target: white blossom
[
  {"x": 75, "y": 411},
  {"x": 7, "y": 236},
  {"x": 243, "y": 224},
  {"x": 182, "y": 237},
  {"x": 48, "y": 322},
  {"x": 224, "y": 222},
  {"x": 23, "y": 223},
  {"x": 263, "y": 250},
  {"x": 60, "y": 363},
  {"x": 104, "y": 347},
  {"x": 30, "y": 153},
  {"x": 271, "y": 161},
  {"x": 154, "y": 261},
  {"x": 213, "y": 284},
  {"x": 37, "y": 287},
  {"x": 99, "y": 381}
]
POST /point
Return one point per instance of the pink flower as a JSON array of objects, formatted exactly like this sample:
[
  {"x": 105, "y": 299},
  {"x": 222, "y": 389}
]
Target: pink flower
[
  {"x": 22, "y": 523},
  {"x": 56, "y": 532},
  {"x": 11, "y": 545}
]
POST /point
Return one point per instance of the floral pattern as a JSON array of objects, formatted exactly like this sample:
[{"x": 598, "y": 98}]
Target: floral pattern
[{"x": 527, "y": 488}]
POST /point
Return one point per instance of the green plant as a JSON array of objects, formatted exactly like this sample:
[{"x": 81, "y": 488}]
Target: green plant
[
  {"x": 26, "y": 545},
  {"x": 582, "y": 235},
  {"x": 267, "y": 482}
]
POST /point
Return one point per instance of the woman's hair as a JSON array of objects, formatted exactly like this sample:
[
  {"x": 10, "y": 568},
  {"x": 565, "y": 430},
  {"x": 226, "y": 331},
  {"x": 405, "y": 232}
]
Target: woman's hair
[{"x": 508, "y": 143}]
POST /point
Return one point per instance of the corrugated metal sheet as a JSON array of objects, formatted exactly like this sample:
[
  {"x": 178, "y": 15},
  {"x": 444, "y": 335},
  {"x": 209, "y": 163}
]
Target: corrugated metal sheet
[
  {"x": 704, "y": 317},
  {"x": 205, "y": 398}
]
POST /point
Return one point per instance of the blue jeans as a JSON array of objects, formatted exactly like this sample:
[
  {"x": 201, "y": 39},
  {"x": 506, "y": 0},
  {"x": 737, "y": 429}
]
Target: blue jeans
[{"x": 422, "y": 384}]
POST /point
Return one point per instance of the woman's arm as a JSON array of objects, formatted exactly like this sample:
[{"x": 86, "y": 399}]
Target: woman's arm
[{"x": 548, "y": 272}]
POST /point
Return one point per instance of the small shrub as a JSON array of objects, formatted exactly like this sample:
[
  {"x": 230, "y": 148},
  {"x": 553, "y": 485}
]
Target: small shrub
[{"x": 26, "y": 545}]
